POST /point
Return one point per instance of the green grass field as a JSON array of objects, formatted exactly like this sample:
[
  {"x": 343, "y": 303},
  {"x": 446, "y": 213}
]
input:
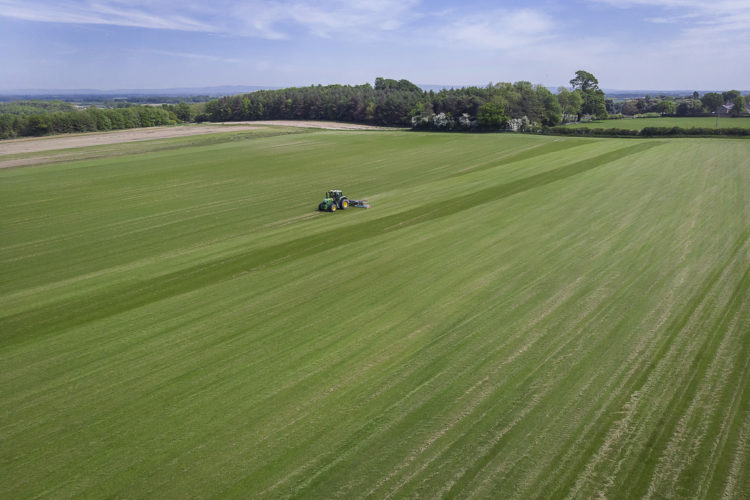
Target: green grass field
[
  {"x": 516, "y": 316},
  {"x": 692, "y": 122}
]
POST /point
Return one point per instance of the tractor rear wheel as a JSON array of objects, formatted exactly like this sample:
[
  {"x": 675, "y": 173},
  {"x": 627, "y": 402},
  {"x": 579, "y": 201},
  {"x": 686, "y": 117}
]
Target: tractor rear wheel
[{"x": 344, "y": 204}]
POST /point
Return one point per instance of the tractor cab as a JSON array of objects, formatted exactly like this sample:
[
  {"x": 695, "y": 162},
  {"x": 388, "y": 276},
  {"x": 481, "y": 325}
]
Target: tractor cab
[{"x": 334, "y": 200}]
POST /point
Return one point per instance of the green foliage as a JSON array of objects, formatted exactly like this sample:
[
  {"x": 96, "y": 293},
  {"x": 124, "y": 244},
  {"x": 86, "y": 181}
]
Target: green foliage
[
  {"x": 730, "y": 95},
  {"x": 666, "y": 107},
  {"x": 650, "y": 131},
  {"x": 664, "y": 121},
  {"x": 34, "y": 107},
  {"x": 739, "y": 105},
  {"x": 491, "y": 115},
  {"x": 570, "y": 102},
  {"x": 584, "y": 81},
  {"x": 387, "y": 84},
  {"x": 711, "y": 101},
  {"x": 594, "y": 102},
  {"x": 389, "y": 102},
  {"x": 89, "y": 120}
]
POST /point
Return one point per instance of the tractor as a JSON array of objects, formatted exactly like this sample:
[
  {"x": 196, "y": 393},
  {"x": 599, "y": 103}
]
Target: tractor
[{"x": 336, "y": 200}]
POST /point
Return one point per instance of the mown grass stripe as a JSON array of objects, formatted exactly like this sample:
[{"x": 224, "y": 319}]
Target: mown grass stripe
[
  {"x": 527, "y": 154},
  {"x": 720, "y": 472},
  {"x": 46, "y": 320},
  {"x": 658, "y": 439},
  {"x": 597, "y": 434}
]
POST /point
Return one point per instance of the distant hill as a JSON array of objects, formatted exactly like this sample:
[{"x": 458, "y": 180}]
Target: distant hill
[
  {"x": 218, "y": 91},
  {"x": 229, "y": 90}
]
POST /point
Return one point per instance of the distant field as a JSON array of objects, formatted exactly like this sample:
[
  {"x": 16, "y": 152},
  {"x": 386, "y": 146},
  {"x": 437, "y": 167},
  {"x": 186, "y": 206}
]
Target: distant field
[
  {"x": 639, "y": 123},
  {"x": 517, "y": 316}
]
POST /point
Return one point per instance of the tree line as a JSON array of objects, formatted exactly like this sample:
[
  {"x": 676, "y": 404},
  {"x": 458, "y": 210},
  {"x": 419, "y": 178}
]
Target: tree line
[
  {"x": 689, "y": 105},
  {"x": 88, "y": 120},
  {"x": 519, "y": 105},
  {"x": 650, "y": 132},
  {"x": 29, "y": 107}
]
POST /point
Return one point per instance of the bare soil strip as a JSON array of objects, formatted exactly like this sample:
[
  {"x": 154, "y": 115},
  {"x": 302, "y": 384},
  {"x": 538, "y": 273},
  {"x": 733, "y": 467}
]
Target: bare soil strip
[
  {"x": 68, "y": 141},
  {"x": 36, "y": 144}
]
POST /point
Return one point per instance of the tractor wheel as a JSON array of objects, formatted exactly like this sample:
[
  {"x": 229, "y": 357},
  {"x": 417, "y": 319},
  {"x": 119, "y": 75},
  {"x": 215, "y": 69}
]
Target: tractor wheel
[
  {"x": 344, "y": 204},
  {"x": 322, "y": 207},
  {"x": 333, "y": 207}
]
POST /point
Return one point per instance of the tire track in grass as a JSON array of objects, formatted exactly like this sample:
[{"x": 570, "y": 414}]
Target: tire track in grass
[
  {"x": 597, "y": 431},
  {"x": 596, "y": 435},
  {"x": 737, "y": 479},
  {"x": 719, "y": 473},
  {"x": 701, "y": 430},
  {"x": 327, "y": 466},
  {"x": 66, "y": 314},
  {"x": 605, "y": 465},
  {"x": 659, "y": 439},
  {"x": 461, "y": 486}
]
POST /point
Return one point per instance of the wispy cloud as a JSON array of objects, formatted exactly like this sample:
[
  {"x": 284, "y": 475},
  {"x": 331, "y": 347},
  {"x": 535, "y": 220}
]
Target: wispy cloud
[
  {"x": 500, "y": 29},
  {"x": 262, "y": 18},
  {"x": 195, "y": 56},
  {"x": 696, "y": 17},
  {"x": 106, "y": 12}
]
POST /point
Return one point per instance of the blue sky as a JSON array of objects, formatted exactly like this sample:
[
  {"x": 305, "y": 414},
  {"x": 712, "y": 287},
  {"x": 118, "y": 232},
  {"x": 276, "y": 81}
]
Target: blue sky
[{"x": 627, "y": 44}]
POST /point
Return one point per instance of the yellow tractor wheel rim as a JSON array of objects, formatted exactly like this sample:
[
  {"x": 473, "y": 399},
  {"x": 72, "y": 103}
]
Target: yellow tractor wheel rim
[{"x": 344, "y": 204}]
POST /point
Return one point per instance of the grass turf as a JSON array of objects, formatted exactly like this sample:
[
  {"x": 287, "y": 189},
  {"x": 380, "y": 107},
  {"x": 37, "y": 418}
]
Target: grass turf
[
  {"x": 691, "y": 122},
  {"x": 516, "y": 316}
]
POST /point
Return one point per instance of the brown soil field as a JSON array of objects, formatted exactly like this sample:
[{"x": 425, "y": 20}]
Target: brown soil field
[{"x": 68, "y": 141}]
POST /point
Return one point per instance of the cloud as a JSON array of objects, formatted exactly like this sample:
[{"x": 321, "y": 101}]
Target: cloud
[
  {"x": 195, "y": 56},
  {"x": 261, "y": 18},
  {"x": 107, "y": 13},
  {"x": 694, "y": 15},
  {"x": 500, "y": 29}
]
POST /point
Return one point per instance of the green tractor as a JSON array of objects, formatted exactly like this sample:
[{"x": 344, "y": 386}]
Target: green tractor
[{"x": 335, "y": 200}]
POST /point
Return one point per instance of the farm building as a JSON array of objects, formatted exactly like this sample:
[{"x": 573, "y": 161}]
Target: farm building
[{"x": 724, "y": 109}]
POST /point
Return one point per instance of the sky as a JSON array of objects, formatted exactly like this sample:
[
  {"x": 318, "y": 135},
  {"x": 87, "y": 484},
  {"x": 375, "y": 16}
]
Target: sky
[{"x": 128, "y": 44}]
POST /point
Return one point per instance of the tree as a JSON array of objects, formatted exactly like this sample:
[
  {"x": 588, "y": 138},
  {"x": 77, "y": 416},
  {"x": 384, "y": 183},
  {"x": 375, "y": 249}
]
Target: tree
[
  {"x": 552, "y": 110},
  {"x": 730, "y": 95},
  {"x": 492, "y": 115},
  {"x": 739, "y": 105},
  {"x": 37, "y": 125},
  {"x": 593, "y": 97},
  {"x": 584, "y": 81},
  {"x": 630, "y": 107},
  {"x": 689, "y": 106},
  {"x": 666, "y": 107},
  {"x": 570, "y": 102},
  {"x": 400, "y": 85},
  {"x": 711, "y": 101},
  {"x": 594, "y": 104},
  {"x": 182, "y": 111}
]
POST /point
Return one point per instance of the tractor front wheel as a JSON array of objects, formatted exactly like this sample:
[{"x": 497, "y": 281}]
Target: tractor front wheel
[
  {"x": 322, "y": 207},
  {"x": 333, "y": 207}
]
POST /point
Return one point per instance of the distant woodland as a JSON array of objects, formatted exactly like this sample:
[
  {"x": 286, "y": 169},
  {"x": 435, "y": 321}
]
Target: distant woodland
[
  {"x": 519, "y": 106},
  {"x": 26, "y": 119}
]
